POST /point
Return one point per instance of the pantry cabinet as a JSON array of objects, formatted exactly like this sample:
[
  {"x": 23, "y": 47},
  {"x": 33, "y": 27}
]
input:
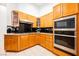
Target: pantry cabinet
[
  {"x": 57, "y": 11},
  {"x": 70, "y": 8}
]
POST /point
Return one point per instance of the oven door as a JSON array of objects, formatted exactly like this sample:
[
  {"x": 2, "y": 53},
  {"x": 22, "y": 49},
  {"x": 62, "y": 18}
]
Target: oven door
[
  {"x": 65, "y": 43},
  {"x": 65, "y": 23}
]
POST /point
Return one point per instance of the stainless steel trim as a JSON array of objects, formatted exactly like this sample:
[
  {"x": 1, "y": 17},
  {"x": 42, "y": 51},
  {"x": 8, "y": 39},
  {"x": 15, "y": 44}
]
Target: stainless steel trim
[
  {"x": 65, "y": 49},
  {"x": 65, "y": 35}
]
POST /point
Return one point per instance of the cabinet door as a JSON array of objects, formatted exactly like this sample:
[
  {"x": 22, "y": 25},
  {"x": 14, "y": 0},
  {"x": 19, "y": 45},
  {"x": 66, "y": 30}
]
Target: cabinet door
[
  {"x": 22, "y": 15},
  {"x": 11, "y": 43},
  {"x": 69, "y": 8},
  {"x": 43, "y": 40},
  {"x": 57, "y": 11},
  {"x": 42, "y": 21},
  {"x": 32, "y": 40},
  {"x": 33, "y": 19},
  {"x": 24, "y": 42},
  {"x": 49, "y": 20},
  {"x": 49, "y": 42}
]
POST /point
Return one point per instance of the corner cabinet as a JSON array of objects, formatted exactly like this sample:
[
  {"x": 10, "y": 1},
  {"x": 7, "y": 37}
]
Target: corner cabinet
[
  {"x": 57, "y": 11},
  {"x": 70, "y": 8},
  {"x": 17, "y": 42},
  {"x": 46, "y": 41}
]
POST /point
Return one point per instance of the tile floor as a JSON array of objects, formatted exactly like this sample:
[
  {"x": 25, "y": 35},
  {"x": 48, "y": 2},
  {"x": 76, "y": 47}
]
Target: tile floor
[{"x": 33, "y": 51}]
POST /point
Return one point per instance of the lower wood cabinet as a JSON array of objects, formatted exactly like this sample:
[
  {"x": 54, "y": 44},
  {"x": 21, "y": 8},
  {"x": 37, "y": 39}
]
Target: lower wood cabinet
[
  {"x": 11, "y": 43},
  {"x": 42, "y": 40},
  {"x": 32, "y": 40},
  {"x": 21, "y": 42},
  {"x": 49, "y": 42},
  {"x": 46, "y": 41},
  {"x": 24, "y": 42}
]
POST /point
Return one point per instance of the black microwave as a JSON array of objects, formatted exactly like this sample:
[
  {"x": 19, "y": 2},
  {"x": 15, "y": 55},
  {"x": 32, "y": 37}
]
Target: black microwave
[{"x": 65, "y": 23}]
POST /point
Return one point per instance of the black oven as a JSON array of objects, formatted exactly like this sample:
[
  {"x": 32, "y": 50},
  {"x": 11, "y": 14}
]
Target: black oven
[
  {"x": 68, "y": 42},
  {"x": 65, "y": 34},
  {"x": 66, "y": 23}
]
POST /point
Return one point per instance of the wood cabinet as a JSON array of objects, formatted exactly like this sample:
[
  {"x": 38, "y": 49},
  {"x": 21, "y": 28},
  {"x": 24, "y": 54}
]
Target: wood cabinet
[
  {"x": 19, "y": 42},
  {"x": 65, "y": 9},
  {"x": 57, "y": 11},
  {"x": 49, "y": 42},
  {"x": 32, "y": 40},
  {"x": 42, "y": 21},
  {"x": 24, "y": 42},
  {"x": 22, "y": 15},
  {"x": 47, "y": 20},
  {"x": 77, "y": 33},
  {"x": 33, "y": 19},
  {"x": 42, "y": 40},
  {"x": 11, "y": 43},
  {"x": 70, "y": 8},
  {"x": 46, "y": 41}
]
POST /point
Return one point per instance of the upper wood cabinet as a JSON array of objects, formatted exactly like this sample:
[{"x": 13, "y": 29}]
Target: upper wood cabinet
[
  {"x": 42, "y": 21},
  {"x": 33, "y": 19},
  {"x": 47, "y": 20},
  {"x": 57, "y": 11},
  {"x": 22, "y": 15},
  {"x": 69, "y": 8},
  {"x": 65, "y": 9}
]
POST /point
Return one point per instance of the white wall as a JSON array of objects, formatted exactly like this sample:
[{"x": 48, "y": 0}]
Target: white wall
[
  {"x": 10, "y": 7},
  {"x": 3, "y": 24}
]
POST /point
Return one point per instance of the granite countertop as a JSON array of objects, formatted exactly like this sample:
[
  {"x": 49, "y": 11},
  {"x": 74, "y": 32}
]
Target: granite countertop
[{"x": 28, "y": 33}]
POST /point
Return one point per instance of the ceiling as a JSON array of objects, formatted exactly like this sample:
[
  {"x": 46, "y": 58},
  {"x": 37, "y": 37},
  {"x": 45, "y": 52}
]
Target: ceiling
[
  {"x": 41, "y": 5},
  {"x": 36, "y": 9}
]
